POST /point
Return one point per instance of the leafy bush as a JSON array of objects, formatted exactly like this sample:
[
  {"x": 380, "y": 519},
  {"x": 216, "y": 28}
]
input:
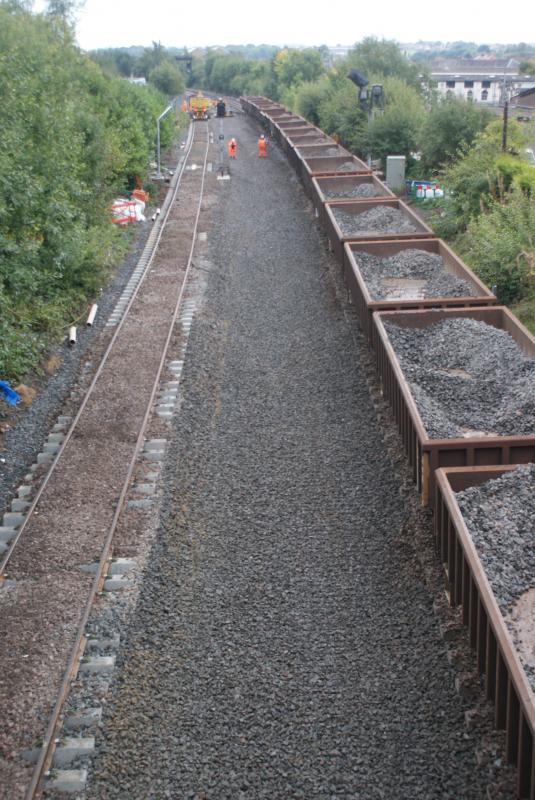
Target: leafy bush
[
  {"x": 475, "y": 179},
  {"x": 397, "y": 130},
  {"x": 72, "y": 137},
  {"x": 309, "y": 97},
  {"x": 451, "y": 124},
  {"x": 500, "y": 246},
  {"x": 384, "y": 58},
  {"x": 167, "y": 78}
]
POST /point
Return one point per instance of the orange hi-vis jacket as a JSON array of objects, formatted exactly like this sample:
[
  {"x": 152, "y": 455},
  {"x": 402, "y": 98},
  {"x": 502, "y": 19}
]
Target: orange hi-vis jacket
[
  {"x": 232, "y": 148},
  {"x": 262, "y": 148}
]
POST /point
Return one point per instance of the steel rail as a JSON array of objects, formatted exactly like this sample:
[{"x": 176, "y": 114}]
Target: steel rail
[
  {"x": 47, "y": 752},
  {"x": 161, "y": 222}
]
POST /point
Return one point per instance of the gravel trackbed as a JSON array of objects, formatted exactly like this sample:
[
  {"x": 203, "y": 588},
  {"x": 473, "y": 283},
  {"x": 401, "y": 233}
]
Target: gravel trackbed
[{"x": 284, "y": 646}]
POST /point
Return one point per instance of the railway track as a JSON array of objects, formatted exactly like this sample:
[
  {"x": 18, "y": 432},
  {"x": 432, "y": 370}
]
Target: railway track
[
  {"x": 62, "y": 540},
  {"x": 47, "y": 596}
]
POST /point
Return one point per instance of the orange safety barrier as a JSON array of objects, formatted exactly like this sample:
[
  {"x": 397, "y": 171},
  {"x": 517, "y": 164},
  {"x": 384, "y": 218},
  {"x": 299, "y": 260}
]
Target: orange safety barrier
[
  {"x": 140, "y": 194},
  {"x": 123, "y": 212}
]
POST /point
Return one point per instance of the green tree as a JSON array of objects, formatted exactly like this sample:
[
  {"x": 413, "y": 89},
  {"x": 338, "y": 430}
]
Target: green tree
[
  {"x": 63, "y": 9},
  {"x": 114, "y": 61},
  {"x": 167, "y": 78},
  {"x": 500, "y": 245},
  {"x": 151, "y": 58},
  {"x": 474, "y": 180},
  {"x": 452, "y": 123},
  {"x": 294, "y": 67},
  {"x": 397, "y": 130},
  {"x": 381, "y": 58},
  {"x": 339, "y": 113},
  {"x": 230, "y": 73},
  {"x": 72, "y": 136},
  {"x": 309, "y": 98}
]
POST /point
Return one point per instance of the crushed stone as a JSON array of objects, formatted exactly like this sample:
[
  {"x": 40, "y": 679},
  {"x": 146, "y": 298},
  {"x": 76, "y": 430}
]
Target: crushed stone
[
  {"x": 467, "y": 378},
  {"x": 362, "y": 190},
  {"x": 383, "y": 219},
  {"x": 500, "y": 517},
  {"x": 426, "y": 268},
  {"x": 348, "y": 166}
]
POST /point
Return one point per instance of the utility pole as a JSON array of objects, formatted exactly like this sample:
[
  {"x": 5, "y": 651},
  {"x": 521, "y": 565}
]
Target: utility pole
[
  {"x": 162, "y": 115},
  {"x": 369, "y": 100},
  {"x": 505, "y": 111},
  {"x": 376, "y": 107},
  {"x": 221, "y": 147},
  {"x": 221, "y": 111},
  {"x": 504, "y": 127}
]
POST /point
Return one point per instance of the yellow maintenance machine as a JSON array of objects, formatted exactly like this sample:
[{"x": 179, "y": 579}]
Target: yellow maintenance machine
[{"x": 199, "y": 107}]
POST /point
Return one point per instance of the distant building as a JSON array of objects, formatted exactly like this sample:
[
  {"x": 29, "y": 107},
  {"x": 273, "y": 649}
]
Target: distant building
[
  {"x": 340, "y": 51},
  {"x": 137, "y": 80},
  {"x": 524, "y": 99},
  {"x": 483, "y": 80},
  {"x": 522, "y": 106}
]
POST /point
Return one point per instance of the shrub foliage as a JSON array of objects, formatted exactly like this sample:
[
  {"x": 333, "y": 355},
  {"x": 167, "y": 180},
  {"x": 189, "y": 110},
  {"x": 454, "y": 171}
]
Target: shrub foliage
[{"x": 72, "y": 138}]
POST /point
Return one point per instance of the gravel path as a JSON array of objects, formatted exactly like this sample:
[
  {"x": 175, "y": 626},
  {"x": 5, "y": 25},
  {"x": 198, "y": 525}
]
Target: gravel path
[
  {"x": 424, "y": 274},
  {"x": 467, "y": 376},
  {"x": 500, "y": 517},
  {"x": 283, "y": 645},
  {"x": 383, "y": 219}
]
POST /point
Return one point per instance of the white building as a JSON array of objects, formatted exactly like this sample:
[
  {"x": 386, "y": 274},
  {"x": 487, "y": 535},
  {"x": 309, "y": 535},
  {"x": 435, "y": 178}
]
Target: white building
[{"x": 479, "y": 79}]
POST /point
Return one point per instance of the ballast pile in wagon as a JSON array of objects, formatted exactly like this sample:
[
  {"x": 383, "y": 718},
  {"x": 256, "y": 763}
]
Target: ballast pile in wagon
[{"x": 459, "y": 373}]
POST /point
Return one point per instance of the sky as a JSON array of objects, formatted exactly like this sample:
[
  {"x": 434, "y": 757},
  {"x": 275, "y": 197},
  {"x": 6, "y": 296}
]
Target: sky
[{"x": 121, "y": 23}]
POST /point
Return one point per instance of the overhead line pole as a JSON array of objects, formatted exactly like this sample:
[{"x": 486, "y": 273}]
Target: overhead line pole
[{"x": 162, "y": 115}]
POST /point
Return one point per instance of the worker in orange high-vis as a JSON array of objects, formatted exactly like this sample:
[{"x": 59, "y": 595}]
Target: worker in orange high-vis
[
  {"x": 184, "y": 105},
  {"x": 232, "y": 148},
  {"x": 262, "y": 147}
]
